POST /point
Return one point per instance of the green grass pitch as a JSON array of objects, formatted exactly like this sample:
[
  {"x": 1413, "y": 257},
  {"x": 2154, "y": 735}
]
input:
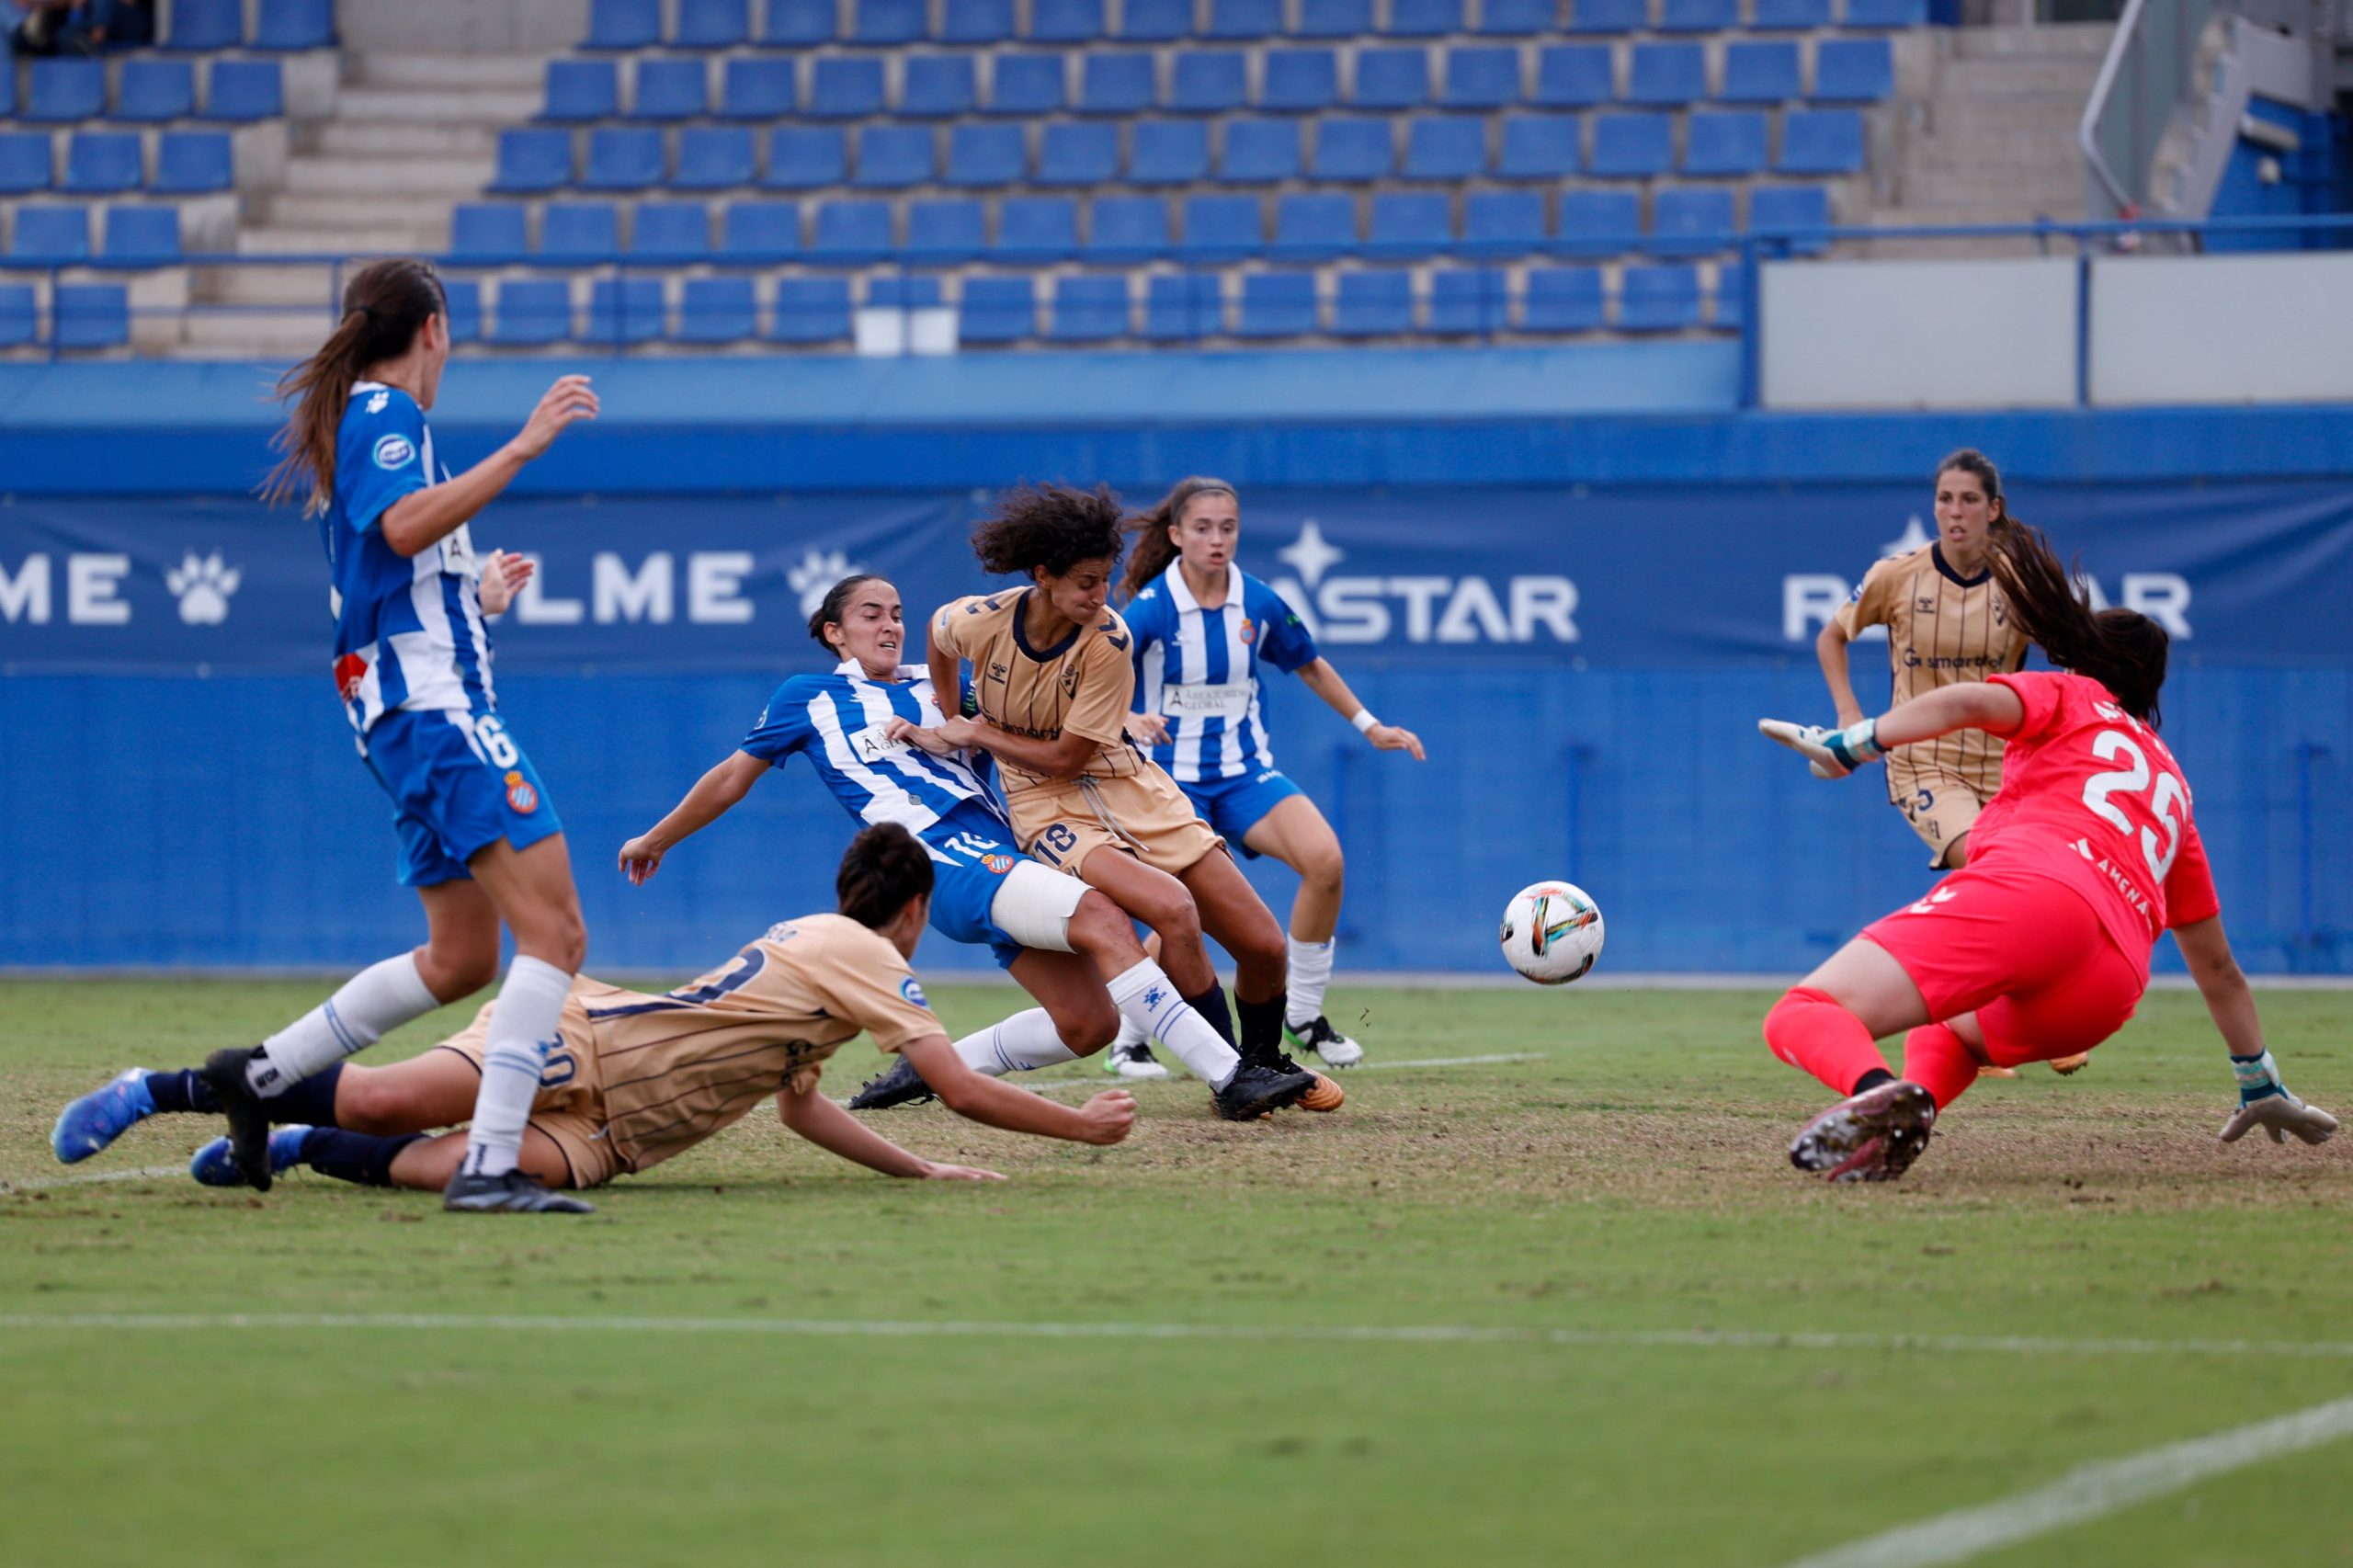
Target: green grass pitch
[{"x": 1626, "y": 1184}]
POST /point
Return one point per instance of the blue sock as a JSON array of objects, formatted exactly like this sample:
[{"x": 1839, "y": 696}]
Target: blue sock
[
  {"x": 354, "y": 1156},
  {"x": 309, "y": 1103},
  {"x": 182, "y": 1091},
  {"x": 1211, "y": 1004}
]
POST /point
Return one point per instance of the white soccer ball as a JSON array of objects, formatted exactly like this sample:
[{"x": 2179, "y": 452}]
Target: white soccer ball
[{"x": 1552, "y": 931}]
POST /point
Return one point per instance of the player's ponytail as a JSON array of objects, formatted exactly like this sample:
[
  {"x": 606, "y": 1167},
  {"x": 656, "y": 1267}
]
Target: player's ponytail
[
  {"x": 883, "y": 868},
  {"x": 2122, "y": 649},
  {"x": 1154, "y": 550},
  {"x": 383, "y": 307}
]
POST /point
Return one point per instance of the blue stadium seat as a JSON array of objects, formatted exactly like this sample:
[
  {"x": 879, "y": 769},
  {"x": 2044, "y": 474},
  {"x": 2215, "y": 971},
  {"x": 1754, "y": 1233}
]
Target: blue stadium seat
[
  {"x": 1088, "y": 310},
  {"x": 1335, "y": 18},
  {"x": 1168, "y": 152},
  {"x": 1207, "y": 81},
  {"x": 1373, "y": 304},
  {"x": 1728, "y": 300},
  {"x": 976, "y": 21},
  {"x": 290, "y": 25},
  {"x": 1574, "y": 75},
  {"x": 577, "y": 90},
  {"x": 1538, "y": 146},
  {"x": 1597, "y": 222},
  {"x": 1887, "y": 12},
  {"x": 1313, "y": 228},
  {"x": 718, "y": 310},
  {"x": 1822, "y": 141},
  {"x": 1025, "y": 84},
  {"x": 25, "y": 160},
  {"x": 1772, "y": 207},
  {"x": 1632, "y": 146},
  {"x": 532, "y": 313},
  {"x": 892, "y": 157},
  {"x": 190, "y": 163},
  {"x": 623, "y": 158},
  {"x": 887, "y": 21},
  {"x": 1127, "y": 229},
  {"x": 1244, "y": 19},
  {"x": 796, "y": 24},
  {"x": 1699, "y": 15},
  {"x": 670, "y": 89},
  {"x": 623, "y": 24},
  {"x": 810, "y": 310},
  {"x": 463, "y": 297},
  {"x": 1469, "y": 302},
  {"x": 1408, "y": 226},
  {"x": 1035, "y": 229},
  {"x": 47, "y": 236},
  {"x": 1354, "y": 148},
  {"x": 712, "y": 24},
  {"x": 1563, "y": 298},
  {"x": 1658, "y": 299},
  {"x": 670, "y": 232},
  {"x": 151, "y": 89},
  {"x": 1220, "y": 228},
  {"x": 90, "y": 315},
  {"x": 625, "y": 310},
  {"x": 1724, "y": 142},
  {"x": 1115, "y": 84},
  {"x": 997, "y": 310},
  {"x": 986, "y": 155},
  {"x": 1425, "y": 18},
  {"x": 62, "y": 91},
  {"x": 1481, "y": 78},
  {"x": 1790, "y": 16},
  {"x": 19, "y": 318},
  {"x": 803, "y": 157},
  {"x": 1078, "y": 152},
  {"x": 532, "y": 160},
  {"x": 1668, "y": 74},
  {"x": 938, "y": 86},
  {"x": 489, "y": 234},
  {"x": 1260, "y": 151},
  {"x": 102, "y": 163},
  {"x": 1065, "y": 21},
  {"x": 757, "y": 89},
  {"x": 1391, "y": 78},
  {"x": 1276, "y": 304},
  {"x": 201, "y": 24},
  {"x": 715, "y": 158},
  {"x": 1451, "y": 149},
  {"x": 1181, "y": 306},
  {"x": 579, "y": 231},
  {"x": 1853, "y": 70},
  {"x": 751, "y": 233},
  {"x": 1517, "y": 18},
  {"x": 1300, "y": 81},
  {"x": 1609, "y": 16},
  {"x": 141, "y": 236},
  {"x": 901, "y": 292},
  {"x": 852, "y": 232},
  {"x": 845, "y": 87},
  {"x": 1157, "y": 21},
  {"x": 946, "y": 232},
  {"x": 1690, "y": 221},
  {"x": 1502, "y": 223},
  {"x": 1759, "y": 73}
]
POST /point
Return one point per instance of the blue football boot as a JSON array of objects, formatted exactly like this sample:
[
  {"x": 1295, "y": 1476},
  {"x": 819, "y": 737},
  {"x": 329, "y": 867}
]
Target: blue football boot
[
  {"x": 215, "y": 1164},
  {"x": 100, "y": 1116}
]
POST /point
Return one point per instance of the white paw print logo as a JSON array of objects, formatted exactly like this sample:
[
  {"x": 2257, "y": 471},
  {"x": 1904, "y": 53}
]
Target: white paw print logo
[
  {"x": 819, "y": 570},
  {"x": 202, "y": 585}
]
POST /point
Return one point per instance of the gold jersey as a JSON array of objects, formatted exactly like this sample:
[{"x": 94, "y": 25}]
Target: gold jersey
[
  {"x": 1941, "y": 628},
  {"x": 1081, "y": 685}
]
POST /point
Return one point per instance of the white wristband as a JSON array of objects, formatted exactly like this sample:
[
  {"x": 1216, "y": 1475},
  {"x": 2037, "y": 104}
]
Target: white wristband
[{"x": 1364, "y": 721}]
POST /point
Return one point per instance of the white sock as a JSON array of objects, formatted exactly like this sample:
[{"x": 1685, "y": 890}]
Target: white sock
[
  {"x": 1131, "y": 1034},
  {"x": 1022, "y": 1043},
  {"x": 376, "y": 1000},
  {"x": 1310, "y": 976},
  {"x": 1149, "y": 998},
  {"x": 530, "y": 1006}
]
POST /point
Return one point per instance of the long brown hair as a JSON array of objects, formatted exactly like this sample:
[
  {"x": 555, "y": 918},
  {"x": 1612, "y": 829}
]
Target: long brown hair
[
  {"x": 1154, "y": 548},
  {"x": 384, "y": 306},
  {"x": 2122, "y": 649}
]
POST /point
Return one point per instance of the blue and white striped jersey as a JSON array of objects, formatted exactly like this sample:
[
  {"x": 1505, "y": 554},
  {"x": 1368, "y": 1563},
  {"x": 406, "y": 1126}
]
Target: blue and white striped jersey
[
  {"x": 838, "y": 721},
  {"x": 408, "y": 629},
  {"x": 1199, "y": 669}
]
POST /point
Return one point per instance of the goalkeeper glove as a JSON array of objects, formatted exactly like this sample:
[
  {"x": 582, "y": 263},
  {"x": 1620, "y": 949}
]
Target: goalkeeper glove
[
  {"x": 2264, "y": 1102},
  {"x": 1833, "y": 754}
]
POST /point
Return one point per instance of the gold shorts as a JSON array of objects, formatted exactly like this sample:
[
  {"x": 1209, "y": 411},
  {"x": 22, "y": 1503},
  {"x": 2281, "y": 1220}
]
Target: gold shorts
[
  {"x": 1940, "y": 807},
  {"x": 569, "y": 1106},
  {"x": 1143, "y": 814}
]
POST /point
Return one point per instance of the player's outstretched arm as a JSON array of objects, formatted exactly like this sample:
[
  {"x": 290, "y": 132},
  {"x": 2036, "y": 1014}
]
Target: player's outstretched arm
[
  {"x": 424, "y": 517},
  {"x": 1969, "y": 705},
  {"x": 834, "y": 1129},
  {"x": 709, "y": 800},
  {"x": 2264, "y": 1100},
  {"x": 1318, "y": 675},
  {"x": 1103, "y": 1119}
]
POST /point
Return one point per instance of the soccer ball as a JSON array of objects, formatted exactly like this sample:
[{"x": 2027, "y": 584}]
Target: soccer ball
[{"x": 1552, "y": 931}]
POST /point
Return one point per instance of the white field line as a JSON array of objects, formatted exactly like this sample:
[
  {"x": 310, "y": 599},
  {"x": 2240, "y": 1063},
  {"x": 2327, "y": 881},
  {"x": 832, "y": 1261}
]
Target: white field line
[
  {"x": 2091, "y": 1492},
  {"x": 1373, "y": 1334},
  {"x": 92, "y": 1178}
]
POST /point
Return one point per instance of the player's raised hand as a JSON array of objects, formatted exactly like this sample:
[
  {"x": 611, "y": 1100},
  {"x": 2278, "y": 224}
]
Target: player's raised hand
[
  {"x": 1393, "y": 737},
  {"x": 1147, "y": 729},
  {"x": 502, "y": 577},
  {"x": 1832, "y": 754},
  {"x": 1108, "y": 1116},
  {"x": 564, "y": 405},
  {"x": 933, "y": 1171},
  {"x": 641, "y": 857}
]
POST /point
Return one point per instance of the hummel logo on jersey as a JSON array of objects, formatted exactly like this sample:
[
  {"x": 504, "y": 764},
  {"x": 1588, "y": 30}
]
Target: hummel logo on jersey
[
  {"x": 1928, "y": 904},
  {"x": 376, "y": 403},
  {"x": 2084, "y": 847}
]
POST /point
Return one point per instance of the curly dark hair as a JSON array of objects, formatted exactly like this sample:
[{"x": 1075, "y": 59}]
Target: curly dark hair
[
  {"x": 1050, "y": 528},
  {"x": 883, "y": 868}
]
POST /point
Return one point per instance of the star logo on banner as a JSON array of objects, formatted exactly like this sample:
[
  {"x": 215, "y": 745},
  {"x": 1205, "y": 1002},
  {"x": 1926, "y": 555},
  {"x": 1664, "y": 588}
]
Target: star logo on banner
[
  {"x": 1915, "y": 536},
  {"x": 1311, "y": 555}
]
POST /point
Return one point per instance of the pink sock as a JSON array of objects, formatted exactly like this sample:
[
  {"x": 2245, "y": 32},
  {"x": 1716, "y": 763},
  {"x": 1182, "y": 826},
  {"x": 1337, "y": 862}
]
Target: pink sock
[
  {"x": 1935, "y": 1059},
  {"x": 1815, "y": 1034}
]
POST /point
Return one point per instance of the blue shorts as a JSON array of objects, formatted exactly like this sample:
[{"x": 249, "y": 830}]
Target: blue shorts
[
  {"x": 455, "y": 795},
  {"x": 1234, "y": 806},
  {"x": 972, "y": 854}
]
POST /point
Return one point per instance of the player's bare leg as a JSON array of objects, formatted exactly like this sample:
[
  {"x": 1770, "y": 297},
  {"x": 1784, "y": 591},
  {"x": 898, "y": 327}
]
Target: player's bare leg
[
  {"x": 1241, "y": 924},
  {"x": 1296, "y": 834}
]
